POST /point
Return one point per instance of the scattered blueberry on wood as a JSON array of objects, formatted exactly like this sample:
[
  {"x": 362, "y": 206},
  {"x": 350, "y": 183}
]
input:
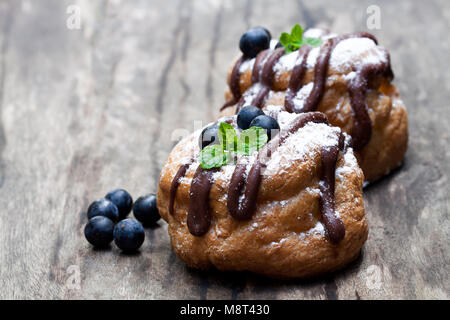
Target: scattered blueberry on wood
[
  {"x": 145, "y": 209},
  {"x": 103, "y": 207},
  {"x": 123, "y": 200},
  {"x": 99, "y": 231},
  {"x": 129, "y": 235}
]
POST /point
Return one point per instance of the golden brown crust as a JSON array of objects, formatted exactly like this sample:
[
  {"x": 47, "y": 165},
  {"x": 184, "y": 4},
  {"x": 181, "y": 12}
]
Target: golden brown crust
[{"x": 283, "y": 239}]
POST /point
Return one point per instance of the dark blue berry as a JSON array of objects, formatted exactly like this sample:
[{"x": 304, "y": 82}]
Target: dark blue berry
[
  {"x": 103, "y": 207},
  {"x": 123, "y": 200},
  {"x": 99, "y": 231},
  {"x": 246, "y": 115},
  {"x": 145, "y": 209},
  {"x": 268, "y": 123},
  {"x": 279, "y": 45},
  {"x": 129, "y": 235},
  {"x": 209, "y": 136},
  {"x": 267, "y": 31},
  {"x": 253, "y": 41}
]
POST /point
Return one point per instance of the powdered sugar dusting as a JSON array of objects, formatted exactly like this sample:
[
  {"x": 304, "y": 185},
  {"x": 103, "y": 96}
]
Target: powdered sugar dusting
[
  {"x": 286, "y": 62},
  {"x": 349, "y": 52},
  {"x": 318, "y": 230},
  {"x": 251, "y": 93},
  {"x": 302, "y": 145},
  {"x": 246, "y": 65},
  {"x": 318, "y": 33},
  {"x": 301, "y": 96},
  {"x": 273, "y": 43},
  {"x": 350, "y": 165}
]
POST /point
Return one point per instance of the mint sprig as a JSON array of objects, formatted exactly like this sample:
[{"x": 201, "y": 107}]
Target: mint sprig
[
  {"x": 217, "y": 155},
  {"x": 293, "y": 41},
  {"x": 213, "y": 156},
  {"x": 251, "y": 140}
]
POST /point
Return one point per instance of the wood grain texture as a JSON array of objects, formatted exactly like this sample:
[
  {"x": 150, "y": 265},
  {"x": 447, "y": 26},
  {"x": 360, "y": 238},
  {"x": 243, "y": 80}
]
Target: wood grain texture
[{"x": 85, "y": 111}]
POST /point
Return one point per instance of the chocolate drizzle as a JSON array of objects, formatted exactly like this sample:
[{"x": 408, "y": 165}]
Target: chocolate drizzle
[
  {"x": 242, "y": 206},
  {"x": 176, "y": 182},
  {"x": 333, "y": 225},
  {"x": 263, "y": 72},
  {"x": 235, "y": 84},
  {"x": 297, "y": 75},
  {"x": 199, "y": 215},
  {"x": 257, "y": 66},
  {"x": 245, "y": 209},
  {"x": 363, "y": 126},
  {"x": 357, "y": 90}
]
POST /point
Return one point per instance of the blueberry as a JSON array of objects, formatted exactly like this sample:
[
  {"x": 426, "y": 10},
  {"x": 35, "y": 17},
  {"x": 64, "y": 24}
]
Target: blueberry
[
  {"x": 122, "y": 200},
  {"x": 266, "y": 122},
  {"x": 246, "y": 115},
  {"x": 253, "y": 41},
  {"x": 279, "y": 45},
  {"x": 209, "y": 136},
  {"x": 99, "y": 231},
  {"x": 129, "y": 235},
  {"x": 145, "y": 209},
  {"x": 267, "y": 31},
  {"x": 103, "y": 207}
]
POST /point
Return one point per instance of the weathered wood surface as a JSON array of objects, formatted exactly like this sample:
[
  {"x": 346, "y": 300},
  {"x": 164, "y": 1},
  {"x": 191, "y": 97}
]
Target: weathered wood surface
[{"x": 84, "y": 111}]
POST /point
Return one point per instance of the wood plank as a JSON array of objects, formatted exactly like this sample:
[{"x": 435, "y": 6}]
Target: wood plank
[{"x": 85, "y": 111}]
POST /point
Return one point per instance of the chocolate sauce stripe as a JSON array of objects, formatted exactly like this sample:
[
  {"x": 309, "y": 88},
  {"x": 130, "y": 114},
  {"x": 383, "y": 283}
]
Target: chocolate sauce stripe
[
  {"x": 199, "y": 215},
  {"x": 260, "y": 58},
  {"x": 235, "y": 84},
  {"x": 333, "y": 225},
  {"x": 362, "y": 130},
  {"x": 264, "y": 76},
  {"x": 295, "y": 82},
  {"x": 176, "y": 182},
  {"x": 363, "y": 127}
]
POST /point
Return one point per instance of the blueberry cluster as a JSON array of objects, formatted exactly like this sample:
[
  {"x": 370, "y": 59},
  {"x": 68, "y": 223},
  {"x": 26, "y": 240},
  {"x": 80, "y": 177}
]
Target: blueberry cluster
[
  {"x": 108, "y": 220},
  {"x": 247, "y": 117}
]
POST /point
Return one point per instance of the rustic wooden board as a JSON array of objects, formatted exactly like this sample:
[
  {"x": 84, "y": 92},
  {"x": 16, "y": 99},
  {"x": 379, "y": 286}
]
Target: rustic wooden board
[{"x": 84, "y": 111}]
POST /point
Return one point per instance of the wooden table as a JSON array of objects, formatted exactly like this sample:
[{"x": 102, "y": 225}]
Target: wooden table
[{"x": 87, "y": 110}]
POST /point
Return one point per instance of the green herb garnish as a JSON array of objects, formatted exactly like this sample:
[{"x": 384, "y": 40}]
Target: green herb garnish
[
  {"x": 227, "y": 136},
  {"x": 213, "y": 156},
  {"x": 217, "y": 155},
  {"x": 252, "y": 140},
  {"x": 295, "y": 40}
]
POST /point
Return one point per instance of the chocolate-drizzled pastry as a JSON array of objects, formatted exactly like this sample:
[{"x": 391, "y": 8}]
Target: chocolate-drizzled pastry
[
  {"x": 348, "y": 78},
  {"x": 292, "y": 209}
]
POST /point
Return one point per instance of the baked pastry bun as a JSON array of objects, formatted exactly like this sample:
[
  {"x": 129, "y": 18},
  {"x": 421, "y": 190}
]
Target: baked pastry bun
[
  {"x": 292, "y": 209},
  {"x": 347, "y": 77}
]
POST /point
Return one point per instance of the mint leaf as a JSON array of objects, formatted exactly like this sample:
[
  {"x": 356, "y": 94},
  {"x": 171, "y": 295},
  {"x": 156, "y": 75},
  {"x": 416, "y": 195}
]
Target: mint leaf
[
  {"x": 251, "y": 140},
  {"x": 227, "y": 136},
  {"x": 285, "y": 39},
  {"x": 314, "y": 42},
  {"x": 294, "y": 40},
  {"x": 217, "y": 155},
  {"x": 297, "y": 33},
  {"x": 212, "y": 156}
]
